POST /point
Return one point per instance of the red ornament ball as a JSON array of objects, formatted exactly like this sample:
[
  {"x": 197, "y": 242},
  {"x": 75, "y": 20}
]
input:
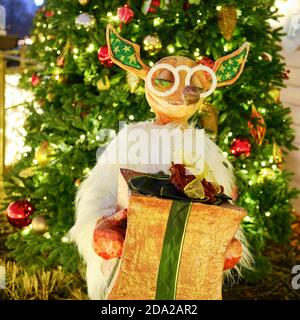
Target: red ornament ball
[
  {"x": 35, "y": 80},
  {"x": 285, "y": 74},
  {"x": 104, "y": 57},
  {"x": 186, "y": 5},
  {"x": 125, "y": 14},
  {"x": 206, "y": 61},
  {"x": 241, "y": 146},
  {"x": 49, "y": 14},
  {"x": 18, "y": 213},
  {"x": 150, "y": 6}
]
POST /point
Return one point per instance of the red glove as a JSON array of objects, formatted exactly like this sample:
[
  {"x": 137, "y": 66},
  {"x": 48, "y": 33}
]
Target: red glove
[
  {"x": 109, "y": 235},
  {"x": 233, "y": 254}
]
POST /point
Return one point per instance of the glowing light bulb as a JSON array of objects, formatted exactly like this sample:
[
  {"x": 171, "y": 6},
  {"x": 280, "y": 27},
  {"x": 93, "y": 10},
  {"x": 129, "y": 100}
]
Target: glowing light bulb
[
  {"x": 157, "y": 21},
  {"x": 171, "y": 48},
  {"x": 26, "y": 230},
  {"x": 47, "y": 235},
  {"x": 247, "y": 219},
  {"x": 15, "y": 116},
  {"x": 39, "y": 2},
  {"x": 90, "y": 48},
  {"x": 28, "y": 41},
  {"x": 64, "y": 239},
  {"x": 86, "y": 170}
]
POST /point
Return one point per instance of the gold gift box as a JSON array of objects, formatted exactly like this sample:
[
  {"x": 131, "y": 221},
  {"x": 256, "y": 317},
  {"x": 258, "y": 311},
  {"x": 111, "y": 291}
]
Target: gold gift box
[{"x": 208, "y": 232}]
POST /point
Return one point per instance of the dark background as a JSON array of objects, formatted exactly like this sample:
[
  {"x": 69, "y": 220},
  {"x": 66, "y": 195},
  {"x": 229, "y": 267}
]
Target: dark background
[{"x": 19, "y": 15}]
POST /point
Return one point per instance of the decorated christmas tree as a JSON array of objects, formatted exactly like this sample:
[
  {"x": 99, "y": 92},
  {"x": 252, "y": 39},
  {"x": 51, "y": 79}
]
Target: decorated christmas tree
[{"x": 79, "y": 91}]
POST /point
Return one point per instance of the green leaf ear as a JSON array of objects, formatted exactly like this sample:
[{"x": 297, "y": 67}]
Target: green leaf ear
[
  {"x": 124, "y": 53},
  {"x": 229, "y": 68}
]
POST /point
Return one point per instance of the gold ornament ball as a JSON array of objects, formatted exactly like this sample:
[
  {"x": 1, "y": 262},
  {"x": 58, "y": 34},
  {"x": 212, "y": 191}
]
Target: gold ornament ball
[
  {"x": 152, "y": 44},
  {"x": 39, "y": 224},
  {"x": 77, "y": 183},
  {"x": 50, "y": 96},
  {"x": 43, "y": 154},
  {"x": 83, "y": 2},
  {"x": 103, "y": 84},
  {"x": 265, "y": 174},
  {"x": 267, "y": 56},
  {"x": 60, "y": 78},
  {"x": 275, "y": 94}
]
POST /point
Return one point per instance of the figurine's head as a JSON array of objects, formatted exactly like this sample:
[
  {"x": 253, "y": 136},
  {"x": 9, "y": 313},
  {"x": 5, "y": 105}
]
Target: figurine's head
[{"x": 175, "y": 86}]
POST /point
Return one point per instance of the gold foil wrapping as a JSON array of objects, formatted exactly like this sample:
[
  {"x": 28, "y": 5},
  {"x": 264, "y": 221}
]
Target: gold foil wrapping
[{"x": 208, "y": 233}]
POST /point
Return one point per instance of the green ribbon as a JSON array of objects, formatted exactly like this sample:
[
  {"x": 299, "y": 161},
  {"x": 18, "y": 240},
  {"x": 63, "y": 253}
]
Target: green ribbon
[{"x": 171, "y": 251}]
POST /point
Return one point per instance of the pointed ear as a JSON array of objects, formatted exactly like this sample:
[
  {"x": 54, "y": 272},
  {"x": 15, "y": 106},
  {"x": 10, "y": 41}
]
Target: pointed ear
[
  {"x": 229, "y": 68},
  {"x": 124, "y": 53}
]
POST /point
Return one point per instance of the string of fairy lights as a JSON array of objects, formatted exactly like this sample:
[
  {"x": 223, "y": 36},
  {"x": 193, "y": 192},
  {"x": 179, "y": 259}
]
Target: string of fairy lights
[{"x": 15, "y": 114}]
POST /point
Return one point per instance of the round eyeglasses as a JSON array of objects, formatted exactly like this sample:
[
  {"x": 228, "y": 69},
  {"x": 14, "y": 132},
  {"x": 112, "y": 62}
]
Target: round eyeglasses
[{"x": 175, "y": 71}]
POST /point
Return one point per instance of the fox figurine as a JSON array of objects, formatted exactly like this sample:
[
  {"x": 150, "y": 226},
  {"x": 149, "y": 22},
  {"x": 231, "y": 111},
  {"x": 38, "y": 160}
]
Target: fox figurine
[{"x": 175, "y": 89}]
